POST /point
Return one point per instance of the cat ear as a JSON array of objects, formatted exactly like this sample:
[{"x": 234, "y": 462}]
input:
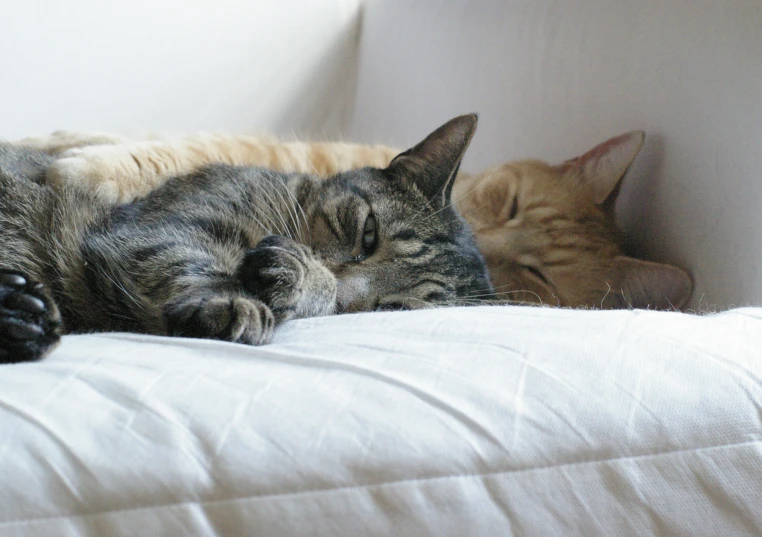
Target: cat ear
[
  {"x": 604, "y": 166},
  {"x": 431, "y": 165},
  {"x": 645, "y": 284}
]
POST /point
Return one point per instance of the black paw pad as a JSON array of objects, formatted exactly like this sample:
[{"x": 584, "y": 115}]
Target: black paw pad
[
  {"x": 273, "y": 266},
  {"x": 256, "y": 273},
  {"x": 29, "y": 322}
]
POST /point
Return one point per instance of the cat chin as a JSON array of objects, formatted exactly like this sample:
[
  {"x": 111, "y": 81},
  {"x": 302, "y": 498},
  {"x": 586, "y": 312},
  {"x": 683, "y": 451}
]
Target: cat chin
[
  {"x": 318, "y": 303},
  {"x": 350, "y": 293}
]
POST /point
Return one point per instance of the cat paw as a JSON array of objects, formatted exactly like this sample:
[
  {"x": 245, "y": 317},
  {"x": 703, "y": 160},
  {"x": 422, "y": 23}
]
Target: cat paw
[
  {"x": 108, "y": 172},
  {"x": 30, "y": 324},
  {"x": 287, "y": 276},
  {"x": 238, "y": 319},
  {"x": 59, "y": 141}
]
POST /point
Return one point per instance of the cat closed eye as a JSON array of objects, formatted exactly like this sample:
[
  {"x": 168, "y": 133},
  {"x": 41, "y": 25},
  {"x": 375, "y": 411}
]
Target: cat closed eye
[
  {"x": 393, "y": 306},
  {"x": 536, "y": 273},
  {"x": 514, "y": 208}
]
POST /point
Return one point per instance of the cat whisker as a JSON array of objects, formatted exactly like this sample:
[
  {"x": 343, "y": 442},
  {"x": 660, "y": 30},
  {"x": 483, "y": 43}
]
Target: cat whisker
[
  {"x": 289, "y": 201},
  {"x": 608, "y": 290},
  {"x": 298, "y": 211},
  {"x": 272, "y": 193},
  {"x": 452, "y": 203},
  {"x": 271, "y": 215},
  {"x": 496, "y": 287},
  {"x": 496, "y": 294},
  {"x": 482, "y": 178},
  {"x": 415, "y": 220},
  {"x": 254, "y": 212},
  {"x": 293, "y": 225},
  {"x": 124, "y": 290}
]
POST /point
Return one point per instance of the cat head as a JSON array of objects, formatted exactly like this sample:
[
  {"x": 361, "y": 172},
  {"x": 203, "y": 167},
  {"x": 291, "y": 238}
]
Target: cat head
[
  {"x": 391, "y": 236},
  {"x": 548, "y": 233}
]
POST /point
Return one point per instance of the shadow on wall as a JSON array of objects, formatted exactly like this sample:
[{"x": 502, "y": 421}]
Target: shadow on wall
[
  {"x": 639, "y": 188},
  {"x": 640, "y": 209}
]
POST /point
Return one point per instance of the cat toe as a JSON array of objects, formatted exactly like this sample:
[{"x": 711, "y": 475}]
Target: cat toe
[
  {"x": 12, "y": 280},
  {"x": 239, "y": 319},
  {"x": 23, "y": 302},
  {"x": 254, "y": 322},
  {"x": 108, "y": 172},
  {"x": 75, "y": 169},
  {"x": 29, "y": 327},
  {"x": 67, "y": 169},
  {"x": 19, "y": 330}
]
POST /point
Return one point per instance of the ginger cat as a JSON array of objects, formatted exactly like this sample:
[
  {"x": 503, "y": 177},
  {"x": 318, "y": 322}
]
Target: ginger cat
[{"x": 546, "y": 231}]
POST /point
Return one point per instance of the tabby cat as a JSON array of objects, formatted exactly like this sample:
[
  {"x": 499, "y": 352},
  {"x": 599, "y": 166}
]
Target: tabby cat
[
  {"x": 547, "y": 232},
  {"x": 231, "y": 252}
]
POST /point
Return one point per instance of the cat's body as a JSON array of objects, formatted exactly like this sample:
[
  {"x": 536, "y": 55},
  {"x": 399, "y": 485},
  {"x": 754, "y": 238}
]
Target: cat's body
[
  {"x": 230, "y": 252},
  {"x": 547, "y": 232}
]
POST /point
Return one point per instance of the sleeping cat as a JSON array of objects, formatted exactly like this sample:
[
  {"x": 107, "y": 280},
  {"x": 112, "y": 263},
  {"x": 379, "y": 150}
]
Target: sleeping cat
[
  {"x": 231, "y": 252},
  {"x": 547, "y": 232}
]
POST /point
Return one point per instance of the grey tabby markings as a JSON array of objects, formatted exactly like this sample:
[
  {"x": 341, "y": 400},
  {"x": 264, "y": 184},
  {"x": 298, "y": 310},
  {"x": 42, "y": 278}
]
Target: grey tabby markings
[{"x": 231, "y": 252}]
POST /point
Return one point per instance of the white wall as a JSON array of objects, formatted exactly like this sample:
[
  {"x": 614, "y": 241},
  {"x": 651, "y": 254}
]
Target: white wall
[
  {"x": 177, "y": 65},
  {"x": 552, "y": 79}
]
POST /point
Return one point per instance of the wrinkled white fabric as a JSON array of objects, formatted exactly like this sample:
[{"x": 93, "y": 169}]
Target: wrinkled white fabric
[{"x": 467, "y": 421}]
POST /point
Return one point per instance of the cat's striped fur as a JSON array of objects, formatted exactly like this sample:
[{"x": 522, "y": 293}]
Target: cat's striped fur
[{"x": 230, "y": 252}]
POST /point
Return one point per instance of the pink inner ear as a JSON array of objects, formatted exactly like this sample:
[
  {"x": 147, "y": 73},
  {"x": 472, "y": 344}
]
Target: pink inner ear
[{"x": 604, "y": 165}]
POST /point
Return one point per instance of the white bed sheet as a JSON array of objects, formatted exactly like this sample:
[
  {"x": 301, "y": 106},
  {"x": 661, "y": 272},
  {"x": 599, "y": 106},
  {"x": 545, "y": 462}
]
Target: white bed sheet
[{"x": 467, "y": 421}]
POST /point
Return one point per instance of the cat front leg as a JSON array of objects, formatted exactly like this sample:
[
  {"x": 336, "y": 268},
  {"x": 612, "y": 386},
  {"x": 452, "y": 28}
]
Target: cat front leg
[
  {"x": 279, "y": 279},
  {"x": 289, "y": 277},
  {"x": 168, "y": 281}
]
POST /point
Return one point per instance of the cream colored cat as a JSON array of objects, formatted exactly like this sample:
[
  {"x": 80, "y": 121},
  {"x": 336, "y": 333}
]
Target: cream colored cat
[{"x": 547, "y": 232}]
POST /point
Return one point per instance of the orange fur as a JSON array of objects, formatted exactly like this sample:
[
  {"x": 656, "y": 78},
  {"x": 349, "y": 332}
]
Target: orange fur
[{"x": 560, "y": 247}]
